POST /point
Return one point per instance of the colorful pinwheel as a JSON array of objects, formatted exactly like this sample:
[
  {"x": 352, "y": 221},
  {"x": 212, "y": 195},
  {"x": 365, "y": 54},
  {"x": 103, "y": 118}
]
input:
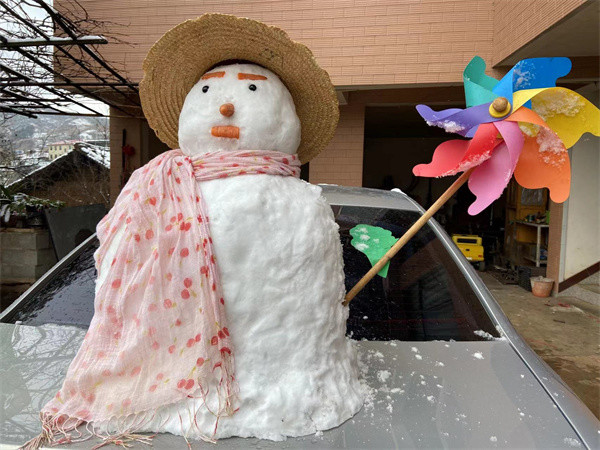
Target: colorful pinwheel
[{"x": 522, "y": 124}]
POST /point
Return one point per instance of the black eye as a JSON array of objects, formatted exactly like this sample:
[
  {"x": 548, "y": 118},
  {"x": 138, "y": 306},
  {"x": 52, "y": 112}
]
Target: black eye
[
  {"x": 205, "y": 89},
  {"x": 252, "y": 87}
]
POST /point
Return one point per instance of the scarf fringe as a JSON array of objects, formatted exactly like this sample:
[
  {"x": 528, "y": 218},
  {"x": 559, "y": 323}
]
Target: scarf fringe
[
  {"x": 125, "y": 436},
  {"x": 59, "y": 431}
]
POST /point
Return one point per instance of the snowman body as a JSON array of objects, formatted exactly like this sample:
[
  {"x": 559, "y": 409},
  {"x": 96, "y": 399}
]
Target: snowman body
[{"x": 280, "y": 260}]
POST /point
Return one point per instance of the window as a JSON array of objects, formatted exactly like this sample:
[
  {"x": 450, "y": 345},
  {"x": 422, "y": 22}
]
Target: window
[
  {"x": 424, "y": 297},
  {"x": 67, "y": 299}
]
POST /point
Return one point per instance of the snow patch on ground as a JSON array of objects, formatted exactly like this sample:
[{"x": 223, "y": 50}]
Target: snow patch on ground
[
  {"x": 383, "y": 375},
  {"x": 478, "y": 355},
  {"x": 572, "y": 442}
]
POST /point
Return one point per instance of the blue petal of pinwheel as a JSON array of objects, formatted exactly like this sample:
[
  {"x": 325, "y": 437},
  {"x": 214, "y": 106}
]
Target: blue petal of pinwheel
[{"x": 532, "y": 73}]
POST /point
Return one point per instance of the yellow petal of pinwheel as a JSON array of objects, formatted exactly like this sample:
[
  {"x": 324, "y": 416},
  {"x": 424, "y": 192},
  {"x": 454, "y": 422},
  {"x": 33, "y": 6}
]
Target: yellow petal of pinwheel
[
  {"x": 523, "y": 96},
  {"x": 566, "y": 112}
]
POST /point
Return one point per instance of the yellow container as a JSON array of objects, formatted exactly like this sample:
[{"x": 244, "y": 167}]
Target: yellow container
[{"x": 470, "y": 246}]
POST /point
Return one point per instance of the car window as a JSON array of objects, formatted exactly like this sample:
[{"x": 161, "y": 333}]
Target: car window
[
  {"x": 67, "y": 299},
  {"x": 424, "y": 297}
]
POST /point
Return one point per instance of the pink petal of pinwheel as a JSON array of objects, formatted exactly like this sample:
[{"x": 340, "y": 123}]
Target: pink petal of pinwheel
[
  {"x": 513, "y": 137},
  {"x": 446, "y": 157},
  {"x": 489, "y": 179}
]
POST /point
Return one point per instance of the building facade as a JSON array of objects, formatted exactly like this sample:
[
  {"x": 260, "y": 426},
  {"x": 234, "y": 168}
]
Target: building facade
[
  {"x": 57, "y": 149},
  {"x": 384, "y": 57}
]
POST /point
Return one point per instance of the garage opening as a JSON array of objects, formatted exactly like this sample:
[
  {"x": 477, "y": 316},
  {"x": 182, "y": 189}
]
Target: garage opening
[{"x": 397, "y": 139}]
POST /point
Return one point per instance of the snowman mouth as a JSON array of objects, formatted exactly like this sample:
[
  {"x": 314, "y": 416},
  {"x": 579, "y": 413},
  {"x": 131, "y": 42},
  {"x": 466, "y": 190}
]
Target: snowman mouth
[{"x": 226, "y": 131}]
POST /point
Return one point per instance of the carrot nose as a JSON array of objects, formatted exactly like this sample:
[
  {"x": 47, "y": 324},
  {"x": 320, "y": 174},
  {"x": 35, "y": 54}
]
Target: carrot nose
[{"x": 227, "y": 109}]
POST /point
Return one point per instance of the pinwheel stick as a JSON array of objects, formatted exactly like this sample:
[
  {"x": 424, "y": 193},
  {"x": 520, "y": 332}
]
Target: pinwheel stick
[{"x": 407, "y": 236}]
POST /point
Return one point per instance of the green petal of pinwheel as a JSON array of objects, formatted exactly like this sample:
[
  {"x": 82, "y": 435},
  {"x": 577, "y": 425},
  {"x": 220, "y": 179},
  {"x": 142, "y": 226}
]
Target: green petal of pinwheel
[
  {"x": 478, "y": 85},
  {"x": 373, "y": 242}
]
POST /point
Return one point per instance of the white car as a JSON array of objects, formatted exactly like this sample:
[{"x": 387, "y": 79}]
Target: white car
[{"x": 443, "y": 365}]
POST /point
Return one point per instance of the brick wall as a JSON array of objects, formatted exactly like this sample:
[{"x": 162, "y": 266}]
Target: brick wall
[
  {"x": 359, "y": 42},
  {"x": 342, "y": 161},
  {"x": 375, "y": 43},
  {"x": 517, "y": 22}
]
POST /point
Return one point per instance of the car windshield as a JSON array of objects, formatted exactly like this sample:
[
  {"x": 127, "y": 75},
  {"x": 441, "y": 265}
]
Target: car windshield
[{"x": 424, "y": 297}]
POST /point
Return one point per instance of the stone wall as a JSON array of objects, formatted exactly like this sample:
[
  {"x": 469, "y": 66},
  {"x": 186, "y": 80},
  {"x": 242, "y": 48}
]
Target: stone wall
[{"x": 26, "y": 254}]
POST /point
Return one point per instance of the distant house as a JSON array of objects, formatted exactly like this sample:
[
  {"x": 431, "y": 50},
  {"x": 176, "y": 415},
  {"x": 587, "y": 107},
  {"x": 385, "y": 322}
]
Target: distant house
[
  {"x": 80, "y": 176},
  {"x": 57, "y": 149}
]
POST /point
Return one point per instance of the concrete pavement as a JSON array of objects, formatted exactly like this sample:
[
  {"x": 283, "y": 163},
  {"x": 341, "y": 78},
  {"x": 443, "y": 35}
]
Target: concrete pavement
[{"x": 563, "y": 331}]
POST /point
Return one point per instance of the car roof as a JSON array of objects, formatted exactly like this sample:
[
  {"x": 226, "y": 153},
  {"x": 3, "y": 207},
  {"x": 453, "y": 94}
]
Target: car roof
[
  {"x": 373, "y": 198},
  {"x": 420, "y": 394}
]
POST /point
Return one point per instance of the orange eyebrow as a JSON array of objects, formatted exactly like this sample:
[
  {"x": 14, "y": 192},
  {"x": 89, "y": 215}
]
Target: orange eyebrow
[
  {"x": 213, "y": 75},
  {"x": 250, "y": 76}
]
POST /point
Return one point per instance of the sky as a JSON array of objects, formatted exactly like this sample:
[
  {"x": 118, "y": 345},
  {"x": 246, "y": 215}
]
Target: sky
[{"x": 38, "y": 13}]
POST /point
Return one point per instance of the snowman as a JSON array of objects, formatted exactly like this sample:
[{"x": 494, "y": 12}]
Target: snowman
[{"x": 219, "y": 295}]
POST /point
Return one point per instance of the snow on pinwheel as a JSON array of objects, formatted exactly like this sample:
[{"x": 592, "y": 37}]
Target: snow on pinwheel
[{"x": 522, "y": 124}]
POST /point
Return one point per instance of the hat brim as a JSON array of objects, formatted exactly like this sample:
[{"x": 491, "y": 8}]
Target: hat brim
[{"x": 178, "y": 59}]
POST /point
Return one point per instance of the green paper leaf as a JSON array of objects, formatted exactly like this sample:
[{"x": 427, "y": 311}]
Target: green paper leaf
[
  {"x": 373, "y": 242},
  {"x": 478, "y": 85}
]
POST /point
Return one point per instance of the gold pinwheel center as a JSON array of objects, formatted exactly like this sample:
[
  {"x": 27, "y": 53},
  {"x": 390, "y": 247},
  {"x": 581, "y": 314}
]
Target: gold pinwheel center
[{"x": 500, "y": 107}]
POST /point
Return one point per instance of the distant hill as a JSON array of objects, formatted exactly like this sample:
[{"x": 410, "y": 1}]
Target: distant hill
[{"x": 31, "y": 134}]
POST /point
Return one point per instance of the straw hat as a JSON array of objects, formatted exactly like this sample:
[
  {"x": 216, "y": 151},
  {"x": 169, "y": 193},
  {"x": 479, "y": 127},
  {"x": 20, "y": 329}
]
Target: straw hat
[{"x": 178, "y": 59}]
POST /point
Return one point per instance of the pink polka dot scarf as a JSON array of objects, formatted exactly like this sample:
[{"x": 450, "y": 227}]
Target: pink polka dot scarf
[{"x": 159, "y": 332}]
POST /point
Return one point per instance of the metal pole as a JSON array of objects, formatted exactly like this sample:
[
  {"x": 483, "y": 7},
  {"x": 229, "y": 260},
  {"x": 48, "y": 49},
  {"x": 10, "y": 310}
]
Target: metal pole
[{"x": 67, "y": 54}]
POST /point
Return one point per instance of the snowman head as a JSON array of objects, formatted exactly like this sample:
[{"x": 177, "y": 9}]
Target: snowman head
[{"x": 238, "y": 107}]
